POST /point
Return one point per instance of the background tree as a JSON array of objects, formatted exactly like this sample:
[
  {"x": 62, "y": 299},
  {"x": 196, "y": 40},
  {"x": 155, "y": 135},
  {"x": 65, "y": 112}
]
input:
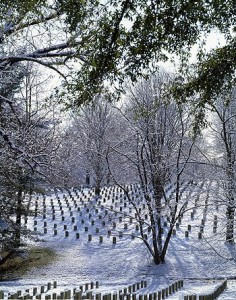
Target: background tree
[
  {"x": 95, "y": 125},
  {"x": 68, "y": 164},
  {"x": 27, "y": 135},
  {"x": 93, "y": 131},
  {"x": 224, "y": 142}
]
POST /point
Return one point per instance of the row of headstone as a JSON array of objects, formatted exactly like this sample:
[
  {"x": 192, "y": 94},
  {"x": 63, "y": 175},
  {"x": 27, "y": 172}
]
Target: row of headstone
[
  {"x": 209, "y": 296},
  {"x": 158, "y": 295},
  {"x": 36, "y": 292},
  {"x": 40, "y": 292},
  {"x": 85, "y": 291}
]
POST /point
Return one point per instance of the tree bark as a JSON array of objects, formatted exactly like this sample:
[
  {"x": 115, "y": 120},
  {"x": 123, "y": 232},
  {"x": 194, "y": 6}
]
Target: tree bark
[
  {"x": 230, "y": 224},
  {"x": 18, "y": 218}
]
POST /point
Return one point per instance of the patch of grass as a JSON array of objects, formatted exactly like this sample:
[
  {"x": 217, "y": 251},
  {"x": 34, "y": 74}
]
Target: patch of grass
[{"x": 23, "y": 261}]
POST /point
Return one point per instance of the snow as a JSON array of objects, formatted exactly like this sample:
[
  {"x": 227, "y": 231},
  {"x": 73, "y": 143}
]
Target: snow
[{"x": 201, "y": 263}]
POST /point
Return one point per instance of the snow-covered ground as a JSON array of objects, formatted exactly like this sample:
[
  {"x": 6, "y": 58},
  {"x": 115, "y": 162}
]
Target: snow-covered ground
[{"x": 73, "y": 225}]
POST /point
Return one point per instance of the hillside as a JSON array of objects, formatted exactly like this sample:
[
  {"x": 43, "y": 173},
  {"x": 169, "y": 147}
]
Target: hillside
[{"x": 90, "y": 247}]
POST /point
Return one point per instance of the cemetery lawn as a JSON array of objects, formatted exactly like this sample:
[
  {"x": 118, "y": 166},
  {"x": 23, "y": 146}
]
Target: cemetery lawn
[{"x": 71, "y": 226}]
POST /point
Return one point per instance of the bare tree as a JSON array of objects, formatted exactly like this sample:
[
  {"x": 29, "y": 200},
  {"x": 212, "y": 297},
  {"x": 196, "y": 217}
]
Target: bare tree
[
  {"x": 162, "y": 147},
  {"x": 224, "y": 142},
  {"x": 88, "y": 135}
]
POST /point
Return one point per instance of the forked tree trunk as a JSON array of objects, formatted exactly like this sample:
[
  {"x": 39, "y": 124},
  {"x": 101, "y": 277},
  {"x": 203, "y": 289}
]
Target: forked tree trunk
[
  {"x": 157, "y": 259},
  {"x": 155, "y": 243},
  {"x": 158, "y": 194}
]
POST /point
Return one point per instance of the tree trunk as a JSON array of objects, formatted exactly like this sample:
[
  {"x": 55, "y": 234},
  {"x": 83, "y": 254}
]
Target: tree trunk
[
  {"x": 230, "y": 209},
  {"x": 157, "y": 259},
  {"x": 158, "y": 194},
  {"x": 97, "y": 187},
  {"x": 97, "y": 190},
  {"x": 87, "y": 179},
  {"x": 166, "y": 244},
  {"x": 230, "y": 224},
  {"x": 18, "y": 218},
  {"x": 155, "y": 243}
]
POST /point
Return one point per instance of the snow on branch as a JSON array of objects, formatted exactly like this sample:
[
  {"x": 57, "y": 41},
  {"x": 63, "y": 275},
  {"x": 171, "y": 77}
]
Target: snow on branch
[
  {"x": 11, "y": 28},
  {"x": 62, "y": 50}
]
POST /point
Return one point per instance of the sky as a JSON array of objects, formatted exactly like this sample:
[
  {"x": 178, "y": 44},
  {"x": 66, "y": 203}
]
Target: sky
[{"x": 213, "y": 40}]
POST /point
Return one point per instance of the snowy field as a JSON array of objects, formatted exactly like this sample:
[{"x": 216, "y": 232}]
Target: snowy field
[{"x": 98, "y": 241}]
